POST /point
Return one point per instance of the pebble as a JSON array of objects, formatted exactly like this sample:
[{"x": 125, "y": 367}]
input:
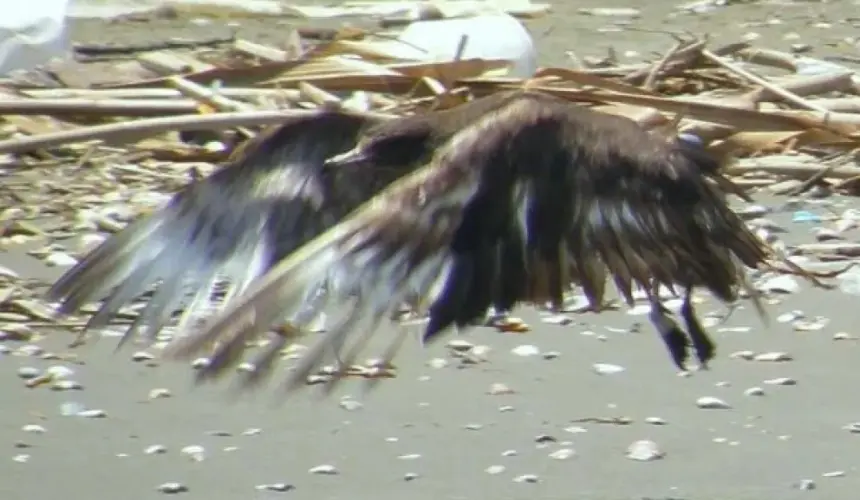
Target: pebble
[
  {"x": 499, "y": 389},
  {"x": 655, "y": 421},
  {"x": 747, "y": 355},
  {"x": 495, "y": 469},
  {"x": 712, "y": 403},
  {"x": 279, "y": 487},
  {"x": 607, "y": 368},
  {"x": 409, "y": 456},
  {"x": 527, "y": 478},
  {"x": 71, "y": 408},
  {"x": 28, "y": 372},
  {"x": 252, "y": 431},
  {"x": 827, "y": 234},
  {"x": 773, "y": 357},
  {"x": 610, "y": 11},
  {"x": 60, "y": 259},
  {"x": 780, "y": 284},
  {"x": 575, "y": 429},
  {"x": 558, "y": 319},
  {"x": 645, "y": 451},
  {"x": 806, "y": 484},
  {"x": 562, "y": 454},
  {"x": 28, "y": 351},
  {"x": 34, "y": 429},
  {"x": 835, "y": 473},
  {"x": 159, "y": 393},
  {"x": 790, "y": 316},
  {"x": 754, "y": 391},
  {"x": 410, "y": 476},
  {"x": 545, "y": 438},
  {"x": 324, "y": 470},
  {"x": 473, "y": 427},
  {"x": 753, "y": 211},
  {"x": 510, "y": 453},
  {"x": 549, "y": 355},
  {"x": 66, "y": 385},
  {"x": 92, "y": 413},
  {"x": 194, "y": 452},
  {"x": 438, "y": 363},
  {"x": 853, "y": 428},
  {"x": 781, "y": 381},
  {"x": 200, "y": 363},
  {"x": 156, "y": 449},
  {"x": 525, "y": 350},
  {"x": 172, "y": 488},
  {"x": 480, "y": 352},
  {"x": 21, "y": 459},
  {"x": 318, "y": 379},
  {"x": 142, "y": 356},
  {"x": 350, "y": 404},
  {"x": 59, "y": 372},
  {"x": 459, "y": 345}
]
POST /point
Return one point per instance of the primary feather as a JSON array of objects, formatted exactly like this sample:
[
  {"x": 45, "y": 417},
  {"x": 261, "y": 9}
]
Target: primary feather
[
  {"x": 269, "y": 199},
  {"x": 265, "y": 202},
  {"x": 545, "y": 189}
]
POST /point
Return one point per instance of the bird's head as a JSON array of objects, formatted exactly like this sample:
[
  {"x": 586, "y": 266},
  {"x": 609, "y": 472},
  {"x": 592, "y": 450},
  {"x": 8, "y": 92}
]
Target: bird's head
[{"x": 387, "y": 146}]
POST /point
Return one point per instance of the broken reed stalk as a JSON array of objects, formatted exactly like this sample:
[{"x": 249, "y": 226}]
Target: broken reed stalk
[
  {"x": 135, "y": 94},
  {"x": 792, "y": 170},
  {"x": 154, "y": 126},
  {"x": 651, "y": 79},
  {"x": 96, "y": 107},
  {"x": 788, "y": 96},
  {"x": 207, "y": 95},
  {"x": 211, "y": 98}
]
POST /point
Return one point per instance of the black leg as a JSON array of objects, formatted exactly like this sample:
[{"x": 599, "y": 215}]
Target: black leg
[
  {"x": 703, "y": 346},
  {"x": 675, "y": 339}
]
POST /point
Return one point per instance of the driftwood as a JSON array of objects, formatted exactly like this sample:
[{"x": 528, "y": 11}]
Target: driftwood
[{"x": 756, "y": 115}]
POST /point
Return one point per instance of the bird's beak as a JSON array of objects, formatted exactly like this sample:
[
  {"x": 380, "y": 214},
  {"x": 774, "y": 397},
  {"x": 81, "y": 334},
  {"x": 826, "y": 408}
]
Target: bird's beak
[{"x": 350, "y": 158}]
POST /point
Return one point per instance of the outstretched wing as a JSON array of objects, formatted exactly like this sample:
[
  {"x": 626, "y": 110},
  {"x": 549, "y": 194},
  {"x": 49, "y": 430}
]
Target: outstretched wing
[
  {"x": 526, "y": 187},
  {"x": 402, "y": 243},
  {"x": 228, "y": 228}
]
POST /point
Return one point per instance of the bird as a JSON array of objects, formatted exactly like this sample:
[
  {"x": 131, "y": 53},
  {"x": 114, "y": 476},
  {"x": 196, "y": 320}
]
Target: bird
[
  {"x": 270, "y": 197},
  {"x": 535, "y": 188}
]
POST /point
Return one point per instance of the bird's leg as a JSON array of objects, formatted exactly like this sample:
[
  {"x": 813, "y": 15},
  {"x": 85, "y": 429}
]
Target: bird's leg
[
  {"x": 340, "y": 366},
  {"x": 731, "y": 310},
  {"x": 310, "y": 312},
  {"x": 703, "y": 346},
  {"x": 675, "y": 339}
]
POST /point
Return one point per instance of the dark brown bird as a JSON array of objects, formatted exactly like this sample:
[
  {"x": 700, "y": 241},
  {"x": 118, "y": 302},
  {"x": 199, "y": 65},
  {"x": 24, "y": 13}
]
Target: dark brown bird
[
  {"x": 548, "y": 192},
  {"x": 268, "y": 200}
]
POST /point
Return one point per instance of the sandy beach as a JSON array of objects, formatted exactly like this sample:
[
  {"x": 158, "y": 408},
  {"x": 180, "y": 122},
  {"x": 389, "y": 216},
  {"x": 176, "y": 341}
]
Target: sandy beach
[{"x": 444, "y": 429}]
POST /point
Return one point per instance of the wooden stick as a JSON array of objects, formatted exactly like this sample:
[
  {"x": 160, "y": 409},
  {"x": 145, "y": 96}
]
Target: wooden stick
[
  {"x": 156, "y": 93},
  {"x": 207, "y": 95},
  {"x": 258, "y": 50},
  {"x": 788, "y": 96},
  {"x": 153, "y": 126},
  {"x": 97, "y": 107},
  {"x": 651, "y": 79}
]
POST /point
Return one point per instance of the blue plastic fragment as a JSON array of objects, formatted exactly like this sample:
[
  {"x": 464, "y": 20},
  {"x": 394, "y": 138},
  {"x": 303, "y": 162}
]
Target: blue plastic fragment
[
  {"x": 691, "y": 139},
  {"x": 805, "y": 216}
]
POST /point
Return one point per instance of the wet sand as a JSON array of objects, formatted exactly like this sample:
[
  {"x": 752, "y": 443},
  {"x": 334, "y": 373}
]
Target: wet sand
[{"x": 440, "y": 424}]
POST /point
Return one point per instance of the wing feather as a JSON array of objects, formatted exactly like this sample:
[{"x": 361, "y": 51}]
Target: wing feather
[
  {"x": 397, "y": 245},
  {"x": 598, "y": 190},
  {"x": 268, "y": 200}
]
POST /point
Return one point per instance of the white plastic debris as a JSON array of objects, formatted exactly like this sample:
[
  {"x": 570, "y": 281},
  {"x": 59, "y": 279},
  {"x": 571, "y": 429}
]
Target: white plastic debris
[
  {"x": 32, "y": 33},
  {"x": 488, "y": 36}
]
